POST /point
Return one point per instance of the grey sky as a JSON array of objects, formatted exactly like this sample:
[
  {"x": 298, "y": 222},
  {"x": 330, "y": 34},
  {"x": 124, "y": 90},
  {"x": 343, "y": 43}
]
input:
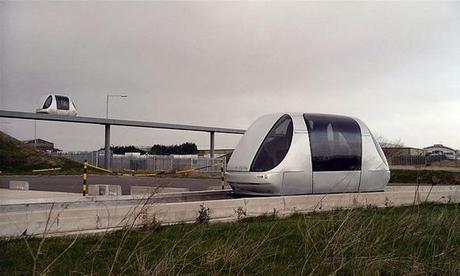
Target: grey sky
[{"x": 394, "y": 65}]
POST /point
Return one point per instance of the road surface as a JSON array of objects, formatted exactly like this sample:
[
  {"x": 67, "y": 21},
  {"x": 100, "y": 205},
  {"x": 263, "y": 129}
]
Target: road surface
[{"x": 73, "y": 183}]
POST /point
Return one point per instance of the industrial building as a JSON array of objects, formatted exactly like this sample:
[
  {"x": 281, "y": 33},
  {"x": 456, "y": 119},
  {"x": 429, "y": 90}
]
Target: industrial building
[
  {"x": 42, "y": 145},
  {"x": 439, "y": 149}
]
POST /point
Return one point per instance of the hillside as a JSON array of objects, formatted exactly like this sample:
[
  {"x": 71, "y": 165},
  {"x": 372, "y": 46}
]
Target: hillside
[{"x": 16, "y": 157}]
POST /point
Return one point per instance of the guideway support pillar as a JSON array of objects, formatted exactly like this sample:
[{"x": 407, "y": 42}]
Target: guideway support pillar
[
  {"x": 211, "y": 142},
  {"x": 107, "y": 154}
]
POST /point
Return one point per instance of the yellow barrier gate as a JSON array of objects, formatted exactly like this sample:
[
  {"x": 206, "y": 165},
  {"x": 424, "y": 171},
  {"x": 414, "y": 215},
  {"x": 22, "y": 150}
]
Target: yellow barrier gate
[
  {"x": 86, "y": 165},
  {"x": 85, "y": 175},
  {"x": 222, "y": 180},
  {"x": 47, "y": 170},
  {"x": 98, "y": 168}
]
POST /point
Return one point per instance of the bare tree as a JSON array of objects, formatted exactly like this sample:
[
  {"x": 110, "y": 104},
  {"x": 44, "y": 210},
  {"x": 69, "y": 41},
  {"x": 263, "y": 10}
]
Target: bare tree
[
  {"x": 391, "y": 148},
  {"x": 386, "y": 143}
]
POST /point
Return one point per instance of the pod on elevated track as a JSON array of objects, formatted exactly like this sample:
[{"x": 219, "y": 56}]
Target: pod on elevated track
[
  {"x": 58, "y": 105},
  {"x": 295, "y": 153}
]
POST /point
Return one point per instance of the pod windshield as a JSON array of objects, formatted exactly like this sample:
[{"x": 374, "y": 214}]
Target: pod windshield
[
  {"x": 275, "y": 146},
  {"x": 48, "y": 102}
]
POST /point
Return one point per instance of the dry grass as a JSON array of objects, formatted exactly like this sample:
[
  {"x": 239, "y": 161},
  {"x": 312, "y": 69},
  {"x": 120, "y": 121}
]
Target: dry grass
[{"x": 421, "y": 239}]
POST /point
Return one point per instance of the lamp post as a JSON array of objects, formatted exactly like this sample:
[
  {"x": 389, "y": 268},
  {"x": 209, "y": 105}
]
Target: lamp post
[
  {"x": 35, "y": 134},
  {"x": 107, "y": 103}
]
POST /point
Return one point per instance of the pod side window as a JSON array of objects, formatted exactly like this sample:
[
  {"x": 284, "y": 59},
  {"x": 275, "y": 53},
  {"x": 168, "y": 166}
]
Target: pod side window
[
  {"x": 62, "y": 103},
  {"x": 48, "y": 102},
  {"x": 275, "y": 145},
  {"x": 335, "y": 142}
]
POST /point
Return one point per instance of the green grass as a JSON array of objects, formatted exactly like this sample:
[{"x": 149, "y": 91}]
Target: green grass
[{"x": 421, "y": 239}]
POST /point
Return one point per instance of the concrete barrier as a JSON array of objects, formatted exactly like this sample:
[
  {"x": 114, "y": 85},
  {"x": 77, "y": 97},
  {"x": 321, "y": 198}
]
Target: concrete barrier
[
  {"x": 141, "y": 190},
  {"x": 19, "y": 185},
  {"x": 104, "y": 189},
  {"x": 27, "y": 219}
]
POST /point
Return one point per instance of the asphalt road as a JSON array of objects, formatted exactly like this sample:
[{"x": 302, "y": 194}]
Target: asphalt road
[{"x": 73, "y": 183}]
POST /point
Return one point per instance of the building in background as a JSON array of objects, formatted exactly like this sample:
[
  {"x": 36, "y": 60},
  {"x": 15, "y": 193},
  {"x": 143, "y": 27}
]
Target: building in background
[
  {"x": 41, "y": 145},
  {"x": 441, "y": 150}
]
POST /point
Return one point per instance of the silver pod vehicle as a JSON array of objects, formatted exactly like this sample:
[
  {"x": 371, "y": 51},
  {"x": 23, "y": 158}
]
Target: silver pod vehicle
[
  {"x": 57, "y": 104},
  {"x": 285, "y": 154}
]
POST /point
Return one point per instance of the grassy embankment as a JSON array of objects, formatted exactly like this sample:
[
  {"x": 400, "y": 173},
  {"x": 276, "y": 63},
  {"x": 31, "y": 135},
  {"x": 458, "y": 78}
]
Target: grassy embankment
[
  {"x": 397, "y": 240},
  {"x": 18, "y": 158}
]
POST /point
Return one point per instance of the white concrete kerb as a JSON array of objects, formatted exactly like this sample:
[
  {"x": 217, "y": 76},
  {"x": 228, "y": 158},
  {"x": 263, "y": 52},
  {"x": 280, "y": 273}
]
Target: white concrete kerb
[
  {"x": 104, "y": 189},
  {"x": 19, "y": 185}
]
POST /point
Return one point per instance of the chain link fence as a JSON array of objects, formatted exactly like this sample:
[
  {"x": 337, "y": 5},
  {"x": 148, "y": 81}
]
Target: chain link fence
[
  {"x": 93, "y": 157},
  {"x": 148, "y": 162},
  {"x": 417, "y": 160}
]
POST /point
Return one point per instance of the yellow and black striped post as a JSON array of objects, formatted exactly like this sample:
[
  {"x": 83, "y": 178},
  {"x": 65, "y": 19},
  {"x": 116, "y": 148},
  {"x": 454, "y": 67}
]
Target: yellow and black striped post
[
  {"x": 222, "y": 180},
  {"x": 85, "y": 176}
]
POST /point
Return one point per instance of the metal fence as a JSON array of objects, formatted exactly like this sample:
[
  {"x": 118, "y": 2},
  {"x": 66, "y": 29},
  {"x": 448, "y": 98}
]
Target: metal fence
[
  {"x": 148, "y": 162},
  {"x": 201, "y": 164},
  {"x": 93, "y": 157},
  {"x": 414, "y": 160},
  {"x": 143, "y": 163}
]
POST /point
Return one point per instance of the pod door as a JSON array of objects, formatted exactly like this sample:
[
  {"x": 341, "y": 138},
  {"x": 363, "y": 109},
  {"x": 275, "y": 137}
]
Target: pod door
[
  {"x": 336, "y": 153},
  {"x": 62, "y": 105},
  {"x": 297, "y": 179}
]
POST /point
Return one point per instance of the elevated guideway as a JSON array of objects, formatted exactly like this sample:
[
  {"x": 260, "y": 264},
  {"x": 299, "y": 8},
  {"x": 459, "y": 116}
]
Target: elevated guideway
[{"x": 114, "y": 122}]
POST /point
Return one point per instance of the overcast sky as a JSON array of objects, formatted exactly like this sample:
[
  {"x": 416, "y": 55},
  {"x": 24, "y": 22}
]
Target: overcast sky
[{"x": 394, "y": 65}]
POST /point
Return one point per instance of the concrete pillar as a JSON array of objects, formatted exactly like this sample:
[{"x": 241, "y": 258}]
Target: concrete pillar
[
  {"x": 211, "y": 142},
  {"x": 107, "y": 154}
]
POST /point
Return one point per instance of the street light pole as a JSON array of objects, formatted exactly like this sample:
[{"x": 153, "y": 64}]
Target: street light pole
[
  {"x": 107, "y": 107},
  {"x": 107, "y": 103},
  {"x": 35, "y": 134}
]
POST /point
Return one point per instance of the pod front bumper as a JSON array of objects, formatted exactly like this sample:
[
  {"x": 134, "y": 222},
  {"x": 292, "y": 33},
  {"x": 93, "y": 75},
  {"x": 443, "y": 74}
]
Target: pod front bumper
[{"x": 255, "y": 183}]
